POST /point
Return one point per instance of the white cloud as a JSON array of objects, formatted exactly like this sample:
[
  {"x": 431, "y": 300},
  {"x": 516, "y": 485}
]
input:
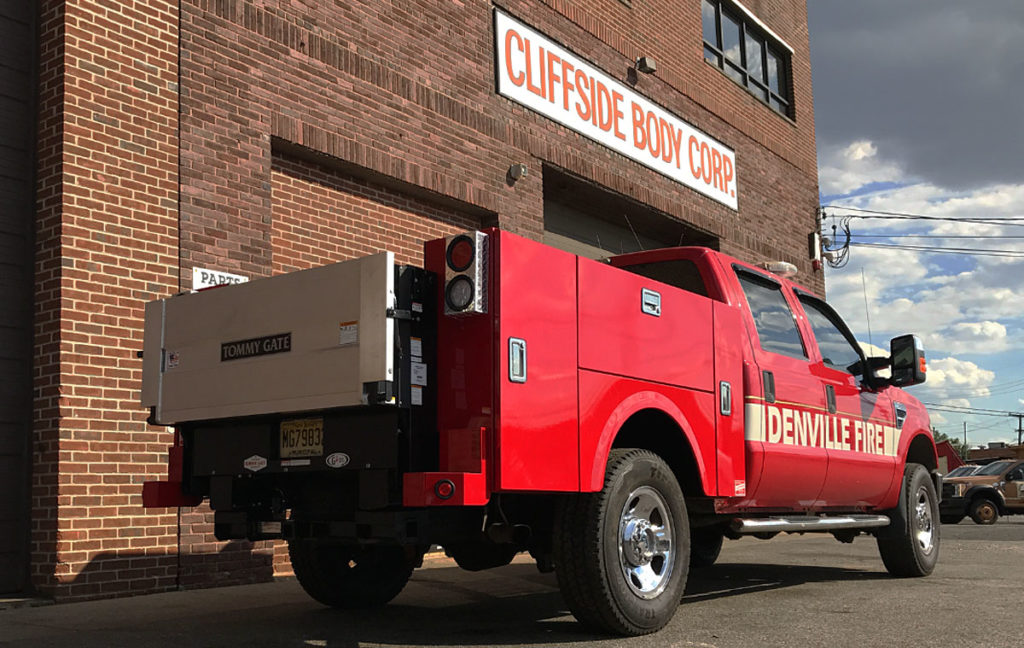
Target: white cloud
[
  {"x": 860, "y": 150},
  {"x": 846, "y": 169},
  {"x": 969, "y": 337},
  {"x": 958, "y": 380}
]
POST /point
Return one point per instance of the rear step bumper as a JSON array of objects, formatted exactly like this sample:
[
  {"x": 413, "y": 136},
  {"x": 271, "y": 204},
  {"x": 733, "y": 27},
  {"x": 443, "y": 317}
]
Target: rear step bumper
[{"x": 807, "y": 523}]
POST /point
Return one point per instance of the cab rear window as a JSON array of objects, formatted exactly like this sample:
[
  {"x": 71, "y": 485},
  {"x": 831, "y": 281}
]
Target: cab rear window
[
  {"x": 776, "y": 326},
  {"x": 681, "y": 273}
]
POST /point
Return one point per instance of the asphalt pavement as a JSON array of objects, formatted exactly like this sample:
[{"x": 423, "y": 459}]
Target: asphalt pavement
[{"x": 789, "y": 591}]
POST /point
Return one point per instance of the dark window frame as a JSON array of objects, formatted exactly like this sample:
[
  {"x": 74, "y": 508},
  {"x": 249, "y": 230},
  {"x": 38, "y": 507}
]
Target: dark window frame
[{"x": 780, "y": 101}]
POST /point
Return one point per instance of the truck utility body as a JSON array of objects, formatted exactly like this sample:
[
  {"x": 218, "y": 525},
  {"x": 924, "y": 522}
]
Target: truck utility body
[{"x": 510, "y": 396}]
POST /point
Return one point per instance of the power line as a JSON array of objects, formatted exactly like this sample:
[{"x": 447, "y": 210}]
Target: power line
[
  {"x": 941, "y": 236},
  {"x": 988, "y": 427},
  {"x": 939, "y": 404},
  {"x": 980, "y": 412},
  {"x": 1017, "y": 221},
  {"x": 1000, "y": 388},
  {"x": 1012, "y": 254},
  {"x": 940, "y": 408}
]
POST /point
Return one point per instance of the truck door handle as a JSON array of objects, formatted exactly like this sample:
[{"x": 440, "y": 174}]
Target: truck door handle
[
  {"x": 830, "y": 398},
  {"x": 769, "y": 386}
]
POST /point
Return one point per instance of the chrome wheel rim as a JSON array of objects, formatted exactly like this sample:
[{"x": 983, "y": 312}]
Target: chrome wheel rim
[
  {"x": 646, "y": 542},
  {"x": 924, "y": 525}
]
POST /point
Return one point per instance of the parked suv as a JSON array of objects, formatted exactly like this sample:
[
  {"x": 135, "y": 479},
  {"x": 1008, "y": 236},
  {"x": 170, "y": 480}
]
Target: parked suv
[{"x": 994, "y": 490}]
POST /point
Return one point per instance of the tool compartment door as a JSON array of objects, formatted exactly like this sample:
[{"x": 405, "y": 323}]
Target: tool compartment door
[{"x": 303, "y": 341}]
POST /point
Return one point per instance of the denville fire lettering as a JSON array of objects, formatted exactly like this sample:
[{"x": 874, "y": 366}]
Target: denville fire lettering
[
  {"x": 796, "y": 426},
  {"x": 545, "y": 77}
]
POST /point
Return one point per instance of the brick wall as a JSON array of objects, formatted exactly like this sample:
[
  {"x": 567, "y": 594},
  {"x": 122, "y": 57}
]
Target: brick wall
[
  {"x": 107, "y": 243},
  {"x": 405, "y": 91},
  {"x": 305, "y": 133},
  {"x": 322, "y": 216}
]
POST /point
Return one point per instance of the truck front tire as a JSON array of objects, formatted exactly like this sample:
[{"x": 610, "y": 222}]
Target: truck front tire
[
  {"x": 910, "y": 544},
  {"x": 984, "y": 511},
  {"x": 349, "y": 577},
  {"x": 622, "y": 554}
]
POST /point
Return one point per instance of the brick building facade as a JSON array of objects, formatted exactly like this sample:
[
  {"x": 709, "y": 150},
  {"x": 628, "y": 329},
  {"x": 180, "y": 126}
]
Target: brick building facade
[{"x": 258, "y": 137}]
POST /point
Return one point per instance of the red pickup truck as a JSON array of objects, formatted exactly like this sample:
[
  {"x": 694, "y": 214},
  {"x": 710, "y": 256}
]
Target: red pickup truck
[{"x": 615, "y": 419}]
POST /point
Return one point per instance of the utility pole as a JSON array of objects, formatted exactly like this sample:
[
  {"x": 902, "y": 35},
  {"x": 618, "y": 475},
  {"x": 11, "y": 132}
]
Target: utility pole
[
  {"x": 967, "y": 448},
  {"x": 1020, "y": 425}
]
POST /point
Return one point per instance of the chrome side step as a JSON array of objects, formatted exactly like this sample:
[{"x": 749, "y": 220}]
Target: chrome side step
[{"x": 807, "y": 523}]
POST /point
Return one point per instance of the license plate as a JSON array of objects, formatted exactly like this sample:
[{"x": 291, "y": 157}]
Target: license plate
[{"x": 302, "y": 438}]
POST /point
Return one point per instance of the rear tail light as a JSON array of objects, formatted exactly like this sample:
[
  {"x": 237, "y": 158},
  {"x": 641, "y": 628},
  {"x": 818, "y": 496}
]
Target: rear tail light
[
  {"x": 465, "y": 285},
  {"x": 444, "y": 489}
]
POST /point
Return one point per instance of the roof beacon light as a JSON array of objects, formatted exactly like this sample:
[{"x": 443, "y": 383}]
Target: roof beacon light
[{"x": 784, "y": 269}]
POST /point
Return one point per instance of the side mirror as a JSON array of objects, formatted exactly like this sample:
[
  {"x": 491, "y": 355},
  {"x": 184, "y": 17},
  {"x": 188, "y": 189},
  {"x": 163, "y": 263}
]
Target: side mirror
[{"x": 907, "y": 358}]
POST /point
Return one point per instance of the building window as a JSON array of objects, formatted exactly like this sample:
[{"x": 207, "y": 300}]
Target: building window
[{"x": 747, "y": 53}]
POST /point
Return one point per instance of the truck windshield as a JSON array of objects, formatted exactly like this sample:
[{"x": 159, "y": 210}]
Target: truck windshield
[
  {"x": 962, "y": 471},
  {"x": 994, "y": 468}
]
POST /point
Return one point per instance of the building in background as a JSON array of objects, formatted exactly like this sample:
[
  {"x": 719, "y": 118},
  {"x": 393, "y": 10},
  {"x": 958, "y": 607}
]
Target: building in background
[{"x": 246, "y": 138}]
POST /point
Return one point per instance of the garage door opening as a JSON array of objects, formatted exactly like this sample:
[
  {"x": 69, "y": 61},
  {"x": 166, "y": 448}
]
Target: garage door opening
[{"x": 585, "y": 219}]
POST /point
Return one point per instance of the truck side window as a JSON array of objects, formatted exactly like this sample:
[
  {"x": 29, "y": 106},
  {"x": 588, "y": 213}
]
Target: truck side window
[
  {"x": 776, "y": 327},
  {"x": 681, "y": 273},
  {"x": 837, "y": 351}
]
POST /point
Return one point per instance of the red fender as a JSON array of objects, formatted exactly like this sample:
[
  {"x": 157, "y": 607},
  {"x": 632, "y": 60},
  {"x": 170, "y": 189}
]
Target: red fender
[{"x": 592, "y": 474}]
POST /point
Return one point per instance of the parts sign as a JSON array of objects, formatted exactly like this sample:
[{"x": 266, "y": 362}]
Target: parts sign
[{"x": 535, "y": 72}]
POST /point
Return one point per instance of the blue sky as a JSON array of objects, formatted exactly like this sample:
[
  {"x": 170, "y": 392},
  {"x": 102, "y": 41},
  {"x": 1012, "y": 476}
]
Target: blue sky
[{"x": 917, "y": 111}]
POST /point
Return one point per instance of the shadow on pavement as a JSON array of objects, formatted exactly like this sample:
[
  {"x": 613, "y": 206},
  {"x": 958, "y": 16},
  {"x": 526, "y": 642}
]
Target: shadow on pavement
[
  {"x": 524, "y": 618},
  {"x": 736, "y": 579}
]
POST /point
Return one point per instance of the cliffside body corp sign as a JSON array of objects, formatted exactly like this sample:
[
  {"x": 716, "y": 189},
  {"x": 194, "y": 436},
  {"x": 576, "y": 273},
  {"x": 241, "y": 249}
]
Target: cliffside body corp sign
[{"x": 539, "y": 74}]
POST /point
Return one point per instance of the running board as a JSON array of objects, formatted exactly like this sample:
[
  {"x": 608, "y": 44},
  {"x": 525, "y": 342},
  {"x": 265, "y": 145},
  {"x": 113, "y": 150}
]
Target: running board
[{"x": 807, "y": 523}]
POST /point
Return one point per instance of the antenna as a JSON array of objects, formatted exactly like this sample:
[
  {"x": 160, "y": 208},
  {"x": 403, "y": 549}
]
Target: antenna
[
  {"x": 626, "y": 216},
  {"x": 867, "y": 313}
]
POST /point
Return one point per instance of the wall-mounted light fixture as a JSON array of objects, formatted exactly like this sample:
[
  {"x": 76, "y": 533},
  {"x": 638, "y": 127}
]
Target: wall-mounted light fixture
[
  {"x": 517, "y": 171},
  {"x": 646, "y": 64}
]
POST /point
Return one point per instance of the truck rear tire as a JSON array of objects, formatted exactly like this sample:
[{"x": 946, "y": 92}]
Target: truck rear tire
[
  {"x": 705, "y": 546},
  {"x": 910, "y": 544},
  {"x": 984, "y": 511},
  {"x": 622, "y": 554},
  {"x": 349, "y": 577}
]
